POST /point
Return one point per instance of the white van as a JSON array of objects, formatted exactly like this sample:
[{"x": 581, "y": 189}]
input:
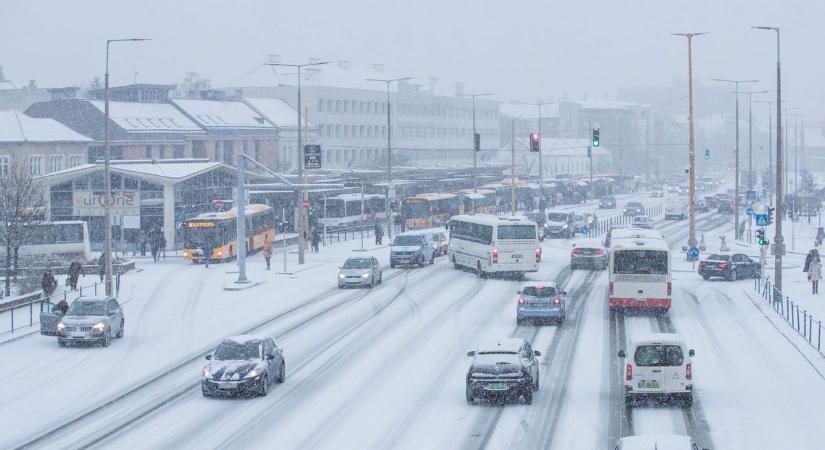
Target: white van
[
  {"x": 676, "y": 209},
  {"x": 658, "y": 365},
  {"x": 490, "y": 244}
]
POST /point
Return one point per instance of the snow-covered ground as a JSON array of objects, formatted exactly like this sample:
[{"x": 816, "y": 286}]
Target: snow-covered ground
[{"x": 385, "y": 368}]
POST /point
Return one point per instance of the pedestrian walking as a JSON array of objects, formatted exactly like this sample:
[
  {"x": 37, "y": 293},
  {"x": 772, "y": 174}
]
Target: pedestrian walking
[
  {"x": 814, "y": 275},
  {"x": 48, "y": 283},
  {"x": 207, "y": 252},
  {"x": 154, "y": 250},
  {"x": 142, "y": 242},
  {"x": 379, "y": 234},
  {"x": 75, "y": 270},
  {"x": 812, "y": 255},
  {"x": 315, "y": 239},
  {"x": 267, "y": 252},
  {"x": 101, "y": 266},
  {"x": 162, "y": 244}
]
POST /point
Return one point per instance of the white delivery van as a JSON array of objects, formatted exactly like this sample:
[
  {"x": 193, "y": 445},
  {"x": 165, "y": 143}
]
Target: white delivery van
[{"x": 676, "y": 209}]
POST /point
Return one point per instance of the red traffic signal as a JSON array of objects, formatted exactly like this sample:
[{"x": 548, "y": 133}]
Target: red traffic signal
[{"x": 535, "y": 142}]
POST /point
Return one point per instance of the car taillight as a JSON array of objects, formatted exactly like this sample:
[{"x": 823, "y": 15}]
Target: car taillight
[
  {"x": 599, "y": 251},
  {"x": 521, "y": 301},
  {"x": 495, "y": 255},
  {"x": 689, "y": 372},
  {"x": 723, "y": 265},
  {"x": 668, "y": 288},
  {"x": 538, "y": 254},
  {"x": 577, "y": 251},
  {"x": 557, "y": 301},
  {"x": 610, "y": 287},
  {"x": 628, "y": 372}
]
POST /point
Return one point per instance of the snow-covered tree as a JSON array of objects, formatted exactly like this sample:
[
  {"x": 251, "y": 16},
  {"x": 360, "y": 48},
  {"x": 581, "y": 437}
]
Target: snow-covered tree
[{"x": 21, "y": 206}]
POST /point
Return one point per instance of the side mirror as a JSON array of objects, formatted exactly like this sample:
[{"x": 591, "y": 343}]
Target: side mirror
[
  {"x": 269, "y": 356},
  {"x": 536, "y": 353},
  {"x": 563, "y": 292},
  {"x": 471, "y": 354},
  {"x": 518, "y": 292},
  {"x": 691, "y": 352},
  {"x": 208, "y": 357},
  {"x": 684, "y": 248},
  {"x": 622, "y": 354}
]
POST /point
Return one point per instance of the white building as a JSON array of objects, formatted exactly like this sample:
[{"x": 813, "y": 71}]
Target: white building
[{"x": 430, "y": 126}]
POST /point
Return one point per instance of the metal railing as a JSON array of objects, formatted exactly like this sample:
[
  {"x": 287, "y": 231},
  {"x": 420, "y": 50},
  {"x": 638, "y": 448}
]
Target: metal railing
[
  {"x": 798, "y": 318},
  {"x": 15, "y": 316}
]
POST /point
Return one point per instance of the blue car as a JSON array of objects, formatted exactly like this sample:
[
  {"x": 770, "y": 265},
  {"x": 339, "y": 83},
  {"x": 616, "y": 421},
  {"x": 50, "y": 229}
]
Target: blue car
[{"x": 541, "y": 301}]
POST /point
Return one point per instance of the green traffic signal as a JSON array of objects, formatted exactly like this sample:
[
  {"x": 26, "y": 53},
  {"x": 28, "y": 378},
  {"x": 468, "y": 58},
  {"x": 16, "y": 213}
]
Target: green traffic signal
[{"x": 595, "y": 141}]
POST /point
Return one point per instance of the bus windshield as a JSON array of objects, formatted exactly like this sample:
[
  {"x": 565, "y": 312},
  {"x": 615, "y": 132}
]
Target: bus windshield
[
  {"x": 640, "y": 262},
  {"x": 201, "y": 237},
  {"x": 517, "y": 232},
  {"x": 415, "y": 210}
]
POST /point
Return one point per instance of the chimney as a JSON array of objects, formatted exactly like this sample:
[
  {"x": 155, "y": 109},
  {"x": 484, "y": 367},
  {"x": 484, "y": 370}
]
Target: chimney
[
  {"x": 459, "y": 88},
  {"x": 343, "y": 63},
  {"x": 378, "y": 67}
]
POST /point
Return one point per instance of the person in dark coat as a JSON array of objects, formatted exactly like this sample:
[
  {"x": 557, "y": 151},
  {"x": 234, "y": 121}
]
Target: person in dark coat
[
  {"x": 62, "y": 307},
  {"x": 75, "y": 270},
  {"x": 101, "y": 267},
  {"x": 811, "y": 256},
  {"x": 315, "y": 239},
  {"x": 379, "y": 234},
  {"x": 48, "y": 283},
  {"x": 162, "y": 245}
]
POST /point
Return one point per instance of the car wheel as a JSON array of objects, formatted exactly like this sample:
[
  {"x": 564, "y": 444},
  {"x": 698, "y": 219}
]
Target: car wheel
[
  {"x": 528, "y": 397},
  {"x": 519, "y": 322},
  {"x": 479, "y": 271},
  {"x": 469, "y": 396},
  {"x": 61, "y": 343},
  {"x": 205, "y": 392},
  {"x": 107, "y": 338},
  {"x": 432, "y": 259},
  {"x": 120, "y": 332},
  {"x": 372, "y": 281},
  {"x": 392, "y": 265},
  {"x": 732, "y": 275},
  {"x": 281, "y": 373},
  {"x": 536, "y": 384},
  {"x": 628, "y": 401},
  {"x": 380, "y": 277},
  {"x": 705, "y": 276},
  {"x": 263, "y": 388},
  {"x": 687, "y": 402}
]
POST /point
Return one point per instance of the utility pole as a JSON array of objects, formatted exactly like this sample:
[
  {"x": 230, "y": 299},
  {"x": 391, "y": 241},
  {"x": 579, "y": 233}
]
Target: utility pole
[
  {"x": 658, "y": 148},
  {"x": 542, "y": 200},
  {"x": 691, "y": 153},
  {"x": 513, "y": 171},
  {"x": 301, "y": 195},
  {"x": 770, "y": 153},
  {"x": 751, "y": 181},
  {"x": 778, "y": 239},
  {"x": 475, "y": 140},
  {"x": 240, "y": 208},
  {"x": 736, "y": 177},
  {"x": 590, "y": 158},
  {"x": 390, "y": 193}
]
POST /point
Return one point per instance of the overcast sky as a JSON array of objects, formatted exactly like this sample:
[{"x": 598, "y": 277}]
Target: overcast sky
[{"x": 515, "y": 49}]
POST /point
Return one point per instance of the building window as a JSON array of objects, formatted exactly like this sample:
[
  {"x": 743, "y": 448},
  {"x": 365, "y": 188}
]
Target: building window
[
  {"x": 361, "y": 108},
  {"x": 198, "y": 149},
  {"x": 55, "y": 163},
  {"x": 329, "y": 105},
  {"x": 177, "y": 151},
  {"x": 35, "y": 165},
  {"x": 346, "y": 106},
  {"x": 361, "y": 131},
  {"x": 4, "y": 166},
  {"x": 320, "y": 104},
  {"x": 337, "y": 106},
  {"x": 228, "y": 152},
  {"x": 329, "y": 131},
  {"x": 75, "y": 160},
  {"x": 337, "y": 131},
  {"x": 369, "y": 107},
  {"x": 257, "y": 150},
  {"x": 148, "y": 150}
]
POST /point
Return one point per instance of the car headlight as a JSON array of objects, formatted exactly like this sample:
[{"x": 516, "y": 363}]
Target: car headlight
[
  {"x": 61, "y": 326},
  {"x": 564, "y": 226},
  {"x": 252, "y": 373},
  {"x": 100, "y": 326},
  {"x": 341, "y": 276},
  {"x": 207, "y": 373},
  {"x": 365, "y": 275}
]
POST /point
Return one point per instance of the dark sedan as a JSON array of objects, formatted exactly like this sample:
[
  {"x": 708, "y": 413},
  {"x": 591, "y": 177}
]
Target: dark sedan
[
  {"x": 243, "y": 365},
  {"x": 607, "y": 203},
  {"x": 504, "y": 369},
  {"x": 634, "y": 209},
  {"x": 730, "y": 267},
  {"x": 725, "y": 207}
]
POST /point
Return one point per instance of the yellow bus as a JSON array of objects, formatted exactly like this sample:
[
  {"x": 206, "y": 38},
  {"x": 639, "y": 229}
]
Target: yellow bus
[
  {"x": 428, "y": 210},
  {"x": 218, "y": 230},
  {"x": 484, "y": 201}
]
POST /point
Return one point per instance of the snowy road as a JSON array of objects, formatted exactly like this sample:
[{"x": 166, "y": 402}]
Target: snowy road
[{"x": 384, "y": 368}]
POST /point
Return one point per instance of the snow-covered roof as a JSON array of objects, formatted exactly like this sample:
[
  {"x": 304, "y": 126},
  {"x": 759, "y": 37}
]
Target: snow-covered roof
[
  {"x": 222, "y": 114},
  {"x": 147, "y": 117},
  {"x": 530, "y": 112},
  {"x": 163, "y": 171},
  {"x": 6, "y": 85},
  {"x": 275, "y": 110},
  {"x": 16, "y": 127}
]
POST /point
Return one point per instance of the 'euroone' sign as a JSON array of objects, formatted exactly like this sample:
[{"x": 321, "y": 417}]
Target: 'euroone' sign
[{"x": 88, "y": 203}]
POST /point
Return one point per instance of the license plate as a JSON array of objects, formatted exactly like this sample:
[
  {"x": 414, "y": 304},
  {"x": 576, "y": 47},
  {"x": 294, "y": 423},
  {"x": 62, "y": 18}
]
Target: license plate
[
  {"x": 497, "y": 386},
  {"x": 228, "y": 385},
  {"x": 517, "y": 256},
  {"x": 79, "y": 335},
  {"x": 648, "y": 384}
]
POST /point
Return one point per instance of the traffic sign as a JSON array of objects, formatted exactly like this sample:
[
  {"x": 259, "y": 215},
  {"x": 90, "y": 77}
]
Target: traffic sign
[
  {"x": 693, "y": 252},
  {"x": 306, "y": 204},
  {"x": 750, "y": 195},
  {"x": 761, "y": 220},
  {"x": 749, "y": 211},
  {"x": 312, "y": 156}
]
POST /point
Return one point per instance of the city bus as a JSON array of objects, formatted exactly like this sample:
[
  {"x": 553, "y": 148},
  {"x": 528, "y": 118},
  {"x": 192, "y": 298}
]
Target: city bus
[
  {"x": 482, "y": 201},
  {"x": 346, "y": 208},
  {"x": 639, "y": 271},
  {"x": 494, "y": 244},
  {"x": 428, "y": 210},
  {"x": 60, "y": 240},
  {"x": 218, "y": 230}
]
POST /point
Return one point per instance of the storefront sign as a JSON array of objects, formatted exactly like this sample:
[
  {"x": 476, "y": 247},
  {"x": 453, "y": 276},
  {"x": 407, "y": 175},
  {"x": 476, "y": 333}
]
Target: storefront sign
[{"x": 124, "y": 203}]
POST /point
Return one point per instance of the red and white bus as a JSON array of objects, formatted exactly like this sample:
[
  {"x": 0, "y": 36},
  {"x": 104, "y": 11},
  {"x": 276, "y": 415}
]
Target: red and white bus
[{"x": 639, "y": 270}]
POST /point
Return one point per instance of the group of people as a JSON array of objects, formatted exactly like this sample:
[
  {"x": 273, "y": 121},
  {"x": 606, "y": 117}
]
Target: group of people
[
  {"x": 155, "y": 241},
  {"x": 49, "y": 283}
]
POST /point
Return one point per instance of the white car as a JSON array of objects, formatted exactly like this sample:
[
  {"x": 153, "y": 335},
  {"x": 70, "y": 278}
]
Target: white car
[
  {"x": 660, "y": 366},
  {"x": 642, "y": 222},
  {"x": 656, "y": 441}
]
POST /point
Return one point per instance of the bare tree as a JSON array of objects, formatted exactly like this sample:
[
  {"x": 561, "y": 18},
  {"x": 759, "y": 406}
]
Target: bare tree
[{"x": 21, "y": 206}]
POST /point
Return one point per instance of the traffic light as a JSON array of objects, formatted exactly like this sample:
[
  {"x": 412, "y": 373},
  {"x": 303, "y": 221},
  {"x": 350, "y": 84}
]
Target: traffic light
[
  {"x": 760, "y": 237},
  {"x": 477, "y": 142},
  {"x": 535, "y": 142},
  {"x": 707, "y": 154},
  {"x": 595, "y": 137},
  {"x": 770, "y": 215}
]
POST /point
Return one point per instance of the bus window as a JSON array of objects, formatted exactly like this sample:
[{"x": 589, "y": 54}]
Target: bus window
[
  {"x": 516, "y": 232},
  {"x": 640, "y": 262}
]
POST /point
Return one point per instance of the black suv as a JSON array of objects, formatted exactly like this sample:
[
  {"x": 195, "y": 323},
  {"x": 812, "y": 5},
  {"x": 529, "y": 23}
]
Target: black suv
[{"x": 505, "y": 369}]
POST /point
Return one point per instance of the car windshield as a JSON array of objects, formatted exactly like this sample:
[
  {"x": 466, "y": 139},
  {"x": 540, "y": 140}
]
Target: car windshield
[
  {"x": 237, "y": 351},
  {"x": 607, "y": 199},
  {"x": 658, "y": 355},
  {"x": 407, "y": 241},
  {"x": 357, "y": 263},
  {"x": 539, "y": 291},
  {"x": 516, "y": 232},
  {"x": 557, "y": 217},
  {"x": 719, "y": 257},
  {"x": 86, "y": 309},
  {"x": 634, "y": 205},
  {"x": 640, "y": 219},
  {"x": 578, "y": 216}
]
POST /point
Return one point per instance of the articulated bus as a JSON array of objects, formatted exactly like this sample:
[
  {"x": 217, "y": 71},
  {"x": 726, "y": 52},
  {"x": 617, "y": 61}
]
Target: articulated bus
[
  {"x": 218, "y": 230},
  {"x": 346, "y": 208},
  {"x": 483, "y": 201},
  {"x": 639, "y": 271},
  {"x": 428, "y": 210}
]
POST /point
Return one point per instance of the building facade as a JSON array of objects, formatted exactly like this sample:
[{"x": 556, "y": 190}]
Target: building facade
[{"x": 42, "y": 145}]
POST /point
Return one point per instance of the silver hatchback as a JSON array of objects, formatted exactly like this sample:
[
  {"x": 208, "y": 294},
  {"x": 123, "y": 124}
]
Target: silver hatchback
[
  {"x": 360, "y": 271},
  {"x": 91, "y": 320}
]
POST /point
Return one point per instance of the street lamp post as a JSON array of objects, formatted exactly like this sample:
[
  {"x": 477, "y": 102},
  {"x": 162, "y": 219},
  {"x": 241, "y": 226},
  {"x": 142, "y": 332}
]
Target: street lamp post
[
  {"x": 387, "y": 206},
  {"x": 770, "y": 154},
  {"x": 751, "y": 182},
  {"x": 691, "y": 153},
  {"x": 736, "y": 156},
  {"x": 542, "y": 200},
  {"x": 475, "y": 150},
  {"x": 301, "y": 196},
  {"x": 778, "y": 239},
  {"x": 107, "y": 178}
]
